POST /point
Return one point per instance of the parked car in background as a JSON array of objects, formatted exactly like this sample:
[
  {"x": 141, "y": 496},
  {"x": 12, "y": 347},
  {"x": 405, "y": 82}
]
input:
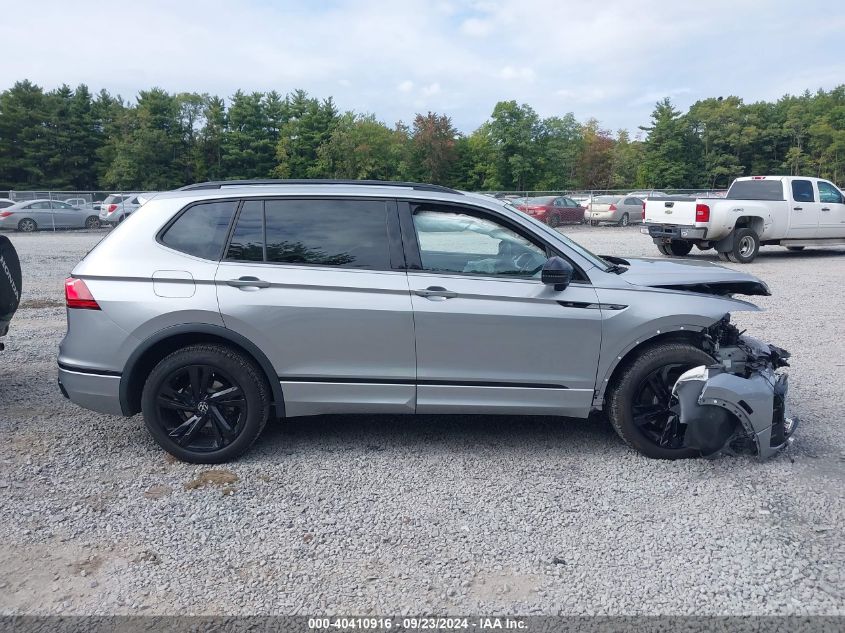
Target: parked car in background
[
  {"x": 642, "y": 195},
  {"x": 553, "y": 210},
  {"x": 619, "y": 210},
  {"x": 226, "y": 304},
  {"x": 118, "y": 206},
  {"x": 6, "y": 202},
  {"x": 79, "y": 203},
  {"x": 10, "y": 284},
  {"x": 32, "y": 215},
  {"x": 790, "y": 211}
]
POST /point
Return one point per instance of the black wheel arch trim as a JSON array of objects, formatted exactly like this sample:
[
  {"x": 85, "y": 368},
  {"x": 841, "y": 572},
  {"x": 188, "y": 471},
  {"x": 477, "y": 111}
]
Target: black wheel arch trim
[{"x": 199, "y": 328}]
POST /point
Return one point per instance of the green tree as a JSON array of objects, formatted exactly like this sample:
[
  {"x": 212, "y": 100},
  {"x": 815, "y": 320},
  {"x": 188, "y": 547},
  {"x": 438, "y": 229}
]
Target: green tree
[
  {"x": 247, "y": 147},
  {"x": 561, "y": 141},
  {"x": 308, "y": 124},
  {"x": 432, "y": 149},
  {"x": 515, "y": 131},
  {"x": 670, "y": 149},
  {"x": 361, "y": 147}
]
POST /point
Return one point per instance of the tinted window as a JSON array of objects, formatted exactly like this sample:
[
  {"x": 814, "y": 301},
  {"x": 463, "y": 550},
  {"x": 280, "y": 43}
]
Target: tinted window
[
  {"x": 347, "y": 233},
  {"x": 247, "y": 243},
  {"x": 5, "y": 203},
  {"x": 570, "y": 202},
  {"x": 455, "y": 242},
  {"x": 201, "y": 229},
  {"x": 756, "y": 190},
  {"x": 829, "y": 193},
  {"x": 39, "y": 205},
  {"x": 113, "y": 199},
  {"x": 60, "y": 205},
  {"x": 802, "y": 191},
  {"x": 542, "y": 201}
]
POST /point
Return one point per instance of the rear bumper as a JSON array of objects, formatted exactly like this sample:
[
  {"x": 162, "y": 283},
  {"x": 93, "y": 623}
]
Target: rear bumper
[
  {"x": 92, "y": 390},
  {"x": 674, "y": 231}
]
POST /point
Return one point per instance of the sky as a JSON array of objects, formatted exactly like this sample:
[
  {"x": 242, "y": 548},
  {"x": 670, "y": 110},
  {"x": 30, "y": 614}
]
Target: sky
[{"x": 608, "y": 59}]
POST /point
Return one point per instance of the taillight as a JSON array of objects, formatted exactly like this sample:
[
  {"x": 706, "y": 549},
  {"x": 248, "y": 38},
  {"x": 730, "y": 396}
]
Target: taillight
[
  {"x": 612, "y": 207},
  {"x": 643, "y": 214},
  {"x": 111, "y": 208},
  {"x": 702, "y": 213},
  {"x": 78, "y": 296},
  {"x": 5, "y": 214}
]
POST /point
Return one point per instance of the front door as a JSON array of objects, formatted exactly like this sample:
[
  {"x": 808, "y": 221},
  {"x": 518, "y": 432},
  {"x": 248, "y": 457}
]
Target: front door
[
  {"x": 832, "y": 211},
  {"x": 316, "y": 285},
  {"x": 490, "y": 337}
]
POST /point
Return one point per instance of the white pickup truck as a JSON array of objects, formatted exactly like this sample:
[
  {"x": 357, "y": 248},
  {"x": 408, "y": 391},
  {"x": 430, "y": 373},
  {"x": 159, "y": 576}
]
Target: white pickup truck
[{"x": 790, "y": 211}]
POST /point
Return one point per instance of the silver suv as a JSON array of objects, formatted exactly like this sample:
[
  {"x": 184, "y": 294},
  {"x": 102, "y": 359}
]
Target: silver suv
[{"x": 217, "y": 307}]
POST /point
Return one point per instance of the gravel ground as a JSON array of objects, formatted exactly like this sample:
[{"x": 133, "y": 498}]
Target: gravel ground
[{"x": 441, "y": 515}]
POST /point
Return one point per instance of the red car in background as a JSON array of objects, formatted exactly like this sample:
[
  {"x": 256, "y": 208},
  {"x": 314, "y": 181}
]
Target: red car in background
[{"x": 553, "y": 210}]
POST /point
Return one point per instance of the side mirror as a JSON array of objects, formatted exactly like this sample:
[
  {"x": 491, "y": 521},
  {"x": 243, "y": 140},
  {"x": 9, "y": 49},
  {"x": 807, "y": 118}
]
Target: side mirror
[{"x": 557, "y": 272}]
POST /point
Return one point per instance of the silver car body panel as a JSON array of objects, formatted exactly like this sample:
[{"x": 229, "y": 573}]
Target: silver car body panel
[{"x": 341, "y": 340}]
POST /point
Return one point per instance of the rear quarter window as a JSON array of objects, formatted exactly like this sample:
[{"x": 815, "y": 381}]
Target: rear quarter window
[{"x": 201, "y": 229}]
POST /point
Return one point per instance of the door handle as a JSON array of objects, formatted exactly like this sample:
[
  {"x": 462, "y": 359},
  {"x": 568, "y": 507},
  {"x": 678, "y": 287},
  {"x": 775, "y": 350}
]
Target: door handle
[
  {"x": 797, "y": 208},
  {"x": 825, "y": 208},
  {"x": 248, "y": 282},
  {"x": 436, "y": 291}
]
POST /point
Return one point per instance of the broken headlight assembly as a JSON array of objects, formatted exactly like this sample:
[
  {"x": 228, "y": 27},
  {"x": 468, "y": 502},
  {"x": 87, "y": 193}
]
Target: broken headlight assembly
[{"x": 737, "y": 405}]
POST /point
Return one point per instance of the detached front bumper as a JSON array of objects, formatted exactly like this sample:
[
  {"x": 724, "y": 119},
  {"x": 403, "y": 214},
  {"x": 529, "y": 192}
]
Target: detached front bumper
[
  {"x": 738, "y": 403},
  {"x": 664, "y": 232}
]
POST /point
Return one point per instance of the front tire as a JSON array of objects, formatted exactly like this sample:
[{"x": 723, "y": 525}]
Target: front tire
[
  {"x": 92, "y": 222},
  {"x": 206, "y": 403},
  {"x": 639, "y": 401},
  {"x": 554, "y": 221},
  {"x": 746, "y": 246}
]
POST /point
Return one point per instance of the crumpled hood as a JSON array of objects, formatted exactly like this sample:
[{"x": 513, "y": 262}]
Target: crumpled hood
[{"x": 692, "y": 276}]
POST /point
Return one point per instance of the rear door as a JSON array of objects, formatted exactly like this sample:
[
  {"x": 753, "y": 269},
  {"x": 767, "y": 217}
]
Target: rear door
[
  {"x": 832, "y": 210},
  {"x": 490, "y": 337},
  {"x": 64, "y": 215},
  {"x": 804, "y": 213},
  {"x": 318, "y": 284}
]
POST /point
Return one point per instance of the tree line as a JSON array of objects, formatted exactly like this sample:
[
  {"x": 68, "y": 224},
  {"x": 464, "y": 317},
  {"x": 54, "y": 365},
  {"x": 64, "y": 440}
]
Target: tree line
[{"x": 72, "y": 139}]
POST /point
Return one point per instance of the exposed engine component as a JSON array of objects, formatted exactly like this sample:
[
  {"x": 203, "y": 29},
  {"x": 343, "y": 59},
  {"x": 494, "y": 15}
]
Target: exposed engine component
[{"x": 739, "y": 403}]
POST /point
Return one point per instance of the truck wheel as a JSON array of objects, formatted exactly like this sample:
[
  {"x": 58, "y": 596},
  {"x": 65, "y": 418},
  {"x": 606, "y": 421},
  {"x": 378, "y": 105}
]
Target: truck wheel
[
  {"x": 746, "y": 246},
  {"x": 724, "y": 257},
  {"x": 795, "y": 248},
  {"x": 675, "y": 248},
  {"x": 640, "y": 404}
]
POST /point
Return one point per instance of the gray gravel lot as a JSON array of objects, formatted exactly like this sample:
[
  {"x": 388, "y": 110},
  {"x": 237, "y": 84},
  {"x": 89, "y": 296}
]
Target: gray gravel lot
[{"x": 445, "y": 515}]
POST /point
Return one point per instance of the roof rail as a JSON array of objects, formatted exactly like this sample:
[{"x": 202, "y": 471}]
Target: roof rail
[{"x": 219, "y": 184}]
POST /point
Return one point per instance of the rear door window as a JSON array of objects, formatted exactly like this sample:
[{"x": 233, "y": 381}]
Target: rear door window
[
  {"x": 201, "y": 230},
  {"x": 802, "y": 191},
  {"x": 344, "y": 233},
  {"x": 247, "y": 243}
]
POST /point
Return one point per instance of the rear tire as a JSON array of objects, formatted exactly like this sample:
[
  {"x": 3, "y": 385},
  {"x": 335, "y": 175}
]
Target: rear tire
[
  {"x": 594, "y": 222},
  {"x": 675, "y": 248},
  {"x": 624, "y": 220},
  {"x": 27, "y": 226},
  {"x": 724, "y": 257},
  {"x": 217, "y": 387},
  {"x": 554, "y": 221},
  {"x": 746, "y": 246},
  {"x": 639, "y": 412}
]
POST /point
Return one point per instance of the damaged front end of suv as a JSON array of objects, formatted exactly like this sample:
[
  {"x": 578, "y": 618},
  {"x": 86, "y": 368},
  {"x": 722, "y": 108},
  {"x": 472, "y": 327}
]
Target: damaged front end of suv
[{"x": 738, "y": 404}]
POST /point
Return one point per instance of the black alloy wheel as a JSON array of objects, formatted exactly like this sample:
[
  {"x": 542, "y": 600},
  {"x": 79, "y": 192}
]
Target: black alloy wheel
[
  {"x": 654, "y": 408},
  {"x": 201, "y": 408}
]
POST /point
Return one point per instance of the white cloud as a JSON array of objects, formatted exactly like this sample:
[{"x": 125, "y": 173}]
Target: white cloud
[
  {"x": 610, "y": 60},
  {"x": 522, "y": 73},
  {"x": 431, "y": 89},
  {"x": 476, "y": 27}
]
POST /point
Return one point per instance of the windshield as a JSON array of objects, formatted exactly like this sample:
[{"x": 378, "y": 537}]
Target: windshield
[
  {"x": 606, "y": 199},
  {"x": 112, "y": 199},
  {"x": 541, "y": 201}
]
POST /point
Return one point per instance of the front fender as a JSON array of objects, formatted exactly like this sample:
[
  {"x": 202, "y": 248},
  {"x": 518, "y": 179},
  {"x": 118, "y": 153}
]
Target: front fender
[{"x": 649, "y": 313}]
